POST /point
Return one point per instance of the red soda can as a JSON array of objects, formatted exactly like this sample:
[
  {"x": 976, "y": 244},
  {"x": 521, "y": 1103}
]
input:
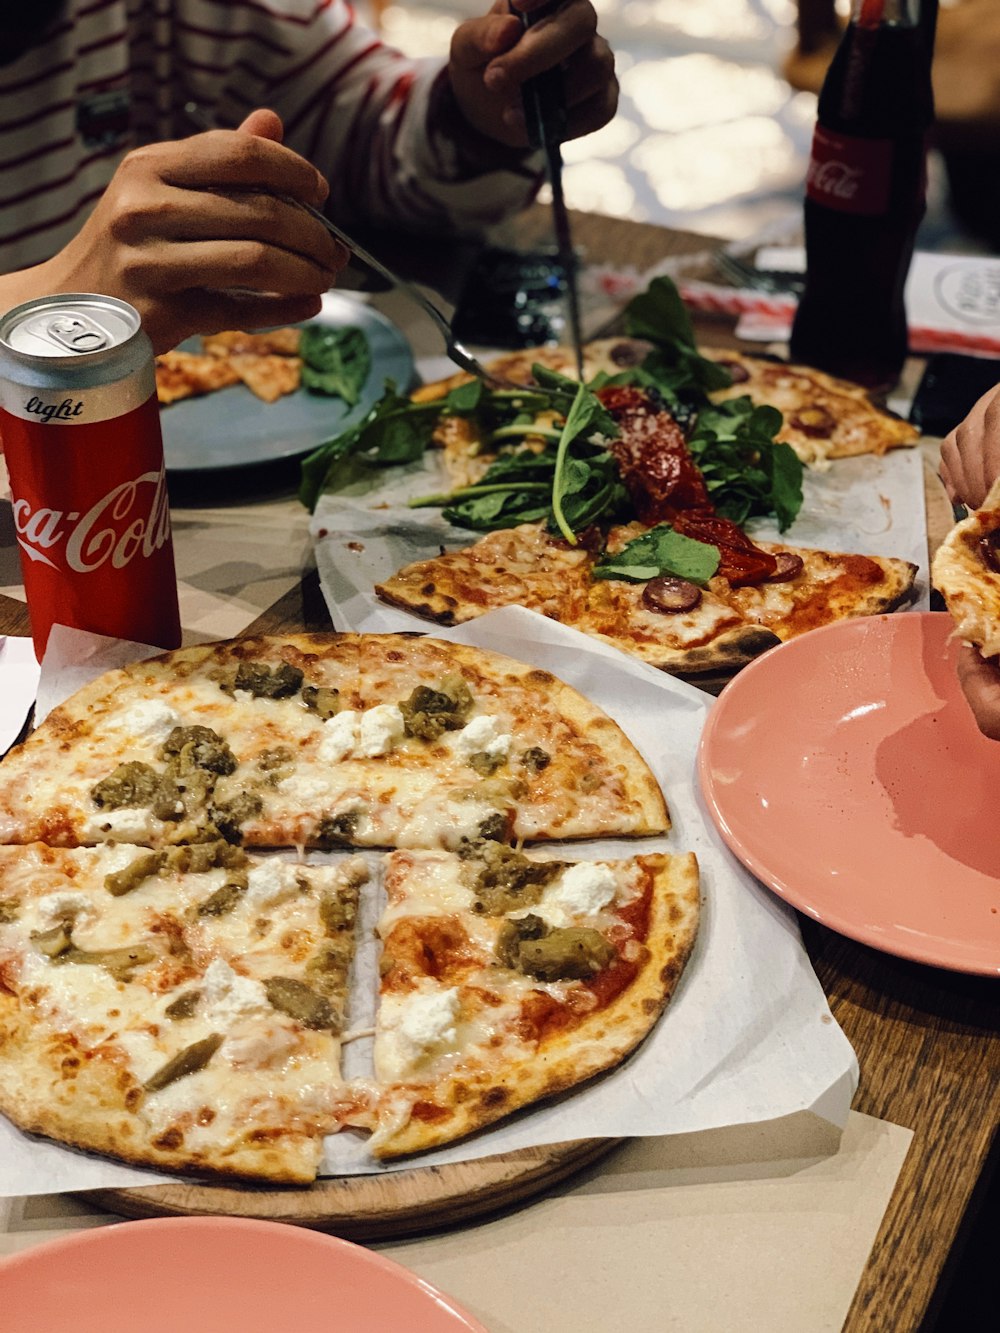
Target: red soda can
[{"x": 80, "y": 426}]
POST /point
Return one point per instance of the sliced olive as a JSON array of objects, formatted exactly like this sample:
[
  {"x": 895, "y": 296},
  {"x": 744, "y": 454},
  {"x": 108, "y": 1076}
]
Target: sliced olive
[
  {"x": 668, "y": 594},
  {"x": 300, "y": 1002},
  {"x": 184, "y": 1006},
  {"x": 816, "y": 422},
  {"x": 123, "y": 881},
  {"x": 789, "y": 566},
  {"x": 188, "y": 1061}
]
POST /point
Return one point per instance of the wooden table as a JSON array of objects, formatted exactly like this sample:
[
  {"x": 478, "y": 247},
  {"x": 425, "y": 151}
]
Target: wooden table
[{"x": 928, "y": 1041}]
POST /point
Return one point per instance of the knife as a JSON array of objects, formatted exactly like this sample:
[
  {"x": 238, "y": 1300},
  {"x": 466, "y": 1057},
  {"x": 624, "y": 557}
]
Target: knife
[{"x": 544, "y": 102}]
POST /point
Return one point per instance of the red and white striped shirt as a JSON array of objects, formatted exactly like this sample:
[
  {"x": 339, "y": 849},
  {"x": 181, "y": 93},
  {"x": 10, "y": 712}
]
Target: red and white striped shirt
[{"x": 113, "y": 74}]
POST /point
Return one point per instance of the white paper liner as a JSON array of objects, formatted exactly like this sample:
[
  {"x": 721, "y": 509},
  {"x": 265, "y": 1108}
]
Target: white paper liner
[{"x": 748, "y": 1036}]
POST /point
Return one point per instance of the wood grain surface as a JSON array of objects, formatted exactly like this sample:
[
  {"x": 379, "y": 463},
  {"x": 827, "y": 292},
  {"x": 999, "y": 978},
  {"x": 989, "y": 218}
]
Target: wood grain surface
[{"x": 399, "y": 1203}]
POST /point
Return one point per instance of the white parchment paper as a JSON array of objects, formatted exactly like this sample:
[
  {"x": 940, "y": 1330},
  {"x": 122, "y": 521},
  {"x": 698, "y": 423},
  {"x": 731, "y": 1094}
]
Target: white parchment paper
[
  {"x": 748, "y": 1037},
  {"x": 365, "y": 533}
]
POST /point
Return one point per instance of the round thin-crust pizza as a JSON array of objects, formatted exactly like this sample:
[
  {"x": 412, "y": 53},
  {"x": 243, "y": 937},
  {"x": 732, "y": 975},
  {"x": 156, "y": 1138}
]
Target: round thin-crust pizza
[{"x": 173, "y": 999}]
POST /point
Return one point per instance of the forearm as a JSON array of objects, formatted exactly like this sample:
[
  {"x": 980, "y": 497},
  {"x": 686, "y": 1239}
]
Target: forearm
[{"x": 26, "y": 285}]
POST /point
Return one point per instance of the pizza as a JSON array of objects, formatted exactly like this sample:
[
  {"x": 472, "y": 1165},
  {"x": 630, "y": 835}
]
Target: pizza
[
  {"x": 966, "y": 571},
  {"x": 825, "y": 417},
  {"x": 507, "y": 977},
  {"x": 267, "y": 363},
  {"x": 188, "y": 375},
  {"x": 176, "y": 994},
  {"x": 756, "y": 593},
  {"x": 670, "y": 623},
  {"x": 176, "y": 1009},
  {"x": 326, "y": 741}
]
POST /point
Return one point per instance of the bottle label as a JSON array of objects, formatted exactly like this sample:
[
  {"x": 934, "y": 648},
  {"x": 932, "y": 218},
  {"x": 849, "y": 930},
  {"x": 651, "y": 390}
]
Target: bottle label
[{"x": 848, "y": 174}]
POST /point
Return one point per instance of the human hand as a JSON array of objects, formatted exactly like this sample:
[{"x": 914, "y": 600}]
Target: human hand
[
  {"x": 491, "y": 57},
  {"x": 195, "y": 234},
  {"x": 970, "y": 454},
  {"x": 980, "y": 682}
]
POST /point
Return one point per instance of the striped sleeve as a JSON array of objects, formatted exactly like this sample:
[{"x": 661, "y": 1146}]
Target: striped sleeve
[{"x": 377, "y": 124}]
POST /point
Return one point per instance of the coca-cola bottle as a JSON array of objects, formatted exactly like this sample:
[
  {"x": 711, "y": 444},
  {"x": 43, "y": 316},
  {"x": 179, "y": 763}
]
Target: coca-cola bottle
[{"x": 865, "y": 192}]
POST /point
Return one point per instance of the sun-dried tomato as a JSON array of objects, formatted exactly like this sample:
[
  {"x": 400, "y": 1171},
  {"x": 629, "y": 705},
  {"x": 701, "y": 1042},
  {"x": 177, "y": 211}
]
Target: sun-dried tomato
[
  {"x": 741, "y": 562},
  {"x": 652, "y": 455}
]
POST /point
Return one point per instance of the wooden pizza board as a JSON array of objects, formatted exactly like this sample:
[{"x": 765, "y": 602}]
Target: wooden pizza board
[{"x": 397, "y": 1203}]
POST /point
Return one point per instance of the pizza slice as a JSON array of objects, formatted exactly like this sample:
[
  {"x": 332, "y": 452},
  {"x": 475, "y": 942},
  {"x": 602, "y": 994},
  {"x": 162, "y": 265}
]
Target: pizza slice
[
  {"x": 670, "y": 623},
  {"x": 179, "y": 1009},
  {"x": 274, "y": 342},
  {"x": 187, "y": 375},
  {"x": 966, "y": 571},
  {"x": 269, "y": 377},
  {"x": 508, "y": 978},
  {"x": 337, "y": 740},
  {"x": 824, "y": 417}
]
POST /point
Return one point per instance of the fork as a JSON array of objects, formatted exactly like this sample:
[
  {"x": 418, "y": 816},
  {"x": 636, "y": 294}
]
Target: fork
[{"x": 454, "y": 350}]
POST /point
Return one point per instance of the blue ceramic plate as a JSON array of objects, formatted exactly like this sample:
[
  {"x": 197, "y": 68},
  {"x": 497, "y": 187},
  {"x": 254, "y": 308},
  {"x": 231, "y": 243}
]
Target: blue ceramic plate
[{"x": 232, "y": 428}]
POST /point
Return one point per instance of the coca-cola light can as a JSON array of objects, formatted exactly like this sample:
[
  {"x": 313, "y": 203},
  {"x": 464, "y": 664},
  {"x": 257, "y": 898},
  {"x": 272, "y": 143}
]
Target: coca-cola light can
[{"x": 80, "y": 427}]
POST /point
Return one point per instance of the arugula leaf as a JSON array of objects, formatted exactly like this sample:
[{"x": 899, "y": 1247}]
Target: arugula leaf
[
  {"x": 337, "y": 361},
  {"x": 587, "y": 414},
  {"x": 659, "y": 316},
  {"x": 661, "y": 550},
  {"x": 746, "y": 471},
  {"x": 396, "y": 430}
]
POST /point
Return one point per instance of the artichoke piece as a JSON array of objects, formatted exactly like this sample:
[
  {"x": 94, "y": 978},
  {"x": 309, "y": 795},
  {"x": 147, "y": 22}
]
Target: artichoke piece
[
  {"x": 198, "y": 747},
  {"x": 321, "y": 700},
  {"x": 225, "y": 898},
  {"x": 507, "y": 879},
  {"x": 229, "y": 816},
  {"x": 53, "y": 942},
  {"x": 269, "y": 760},
  {"x": 121, "y": 963},
  {"x": 131, "y": 876},
  {"x": 9, "y": 910},
  {"x": 338, "y": 912},
  {"x": 131, "y": 785},
  {"x": 188, "y": 1061},
  {"x": 184, "y": 1006},
  {"x": 337, "y": 830},
  {"x": 263, "y": 682},
  {"x": 569, "y": 953},
  {"x": 535, "y": 759},
  {"x": 204, "y": 856},
  {"x": 495, "y": 828},
  {"x": 486, "y": 764},
  {"x": 428, "y": 713},
  {"x": 301, "y": 1002}
]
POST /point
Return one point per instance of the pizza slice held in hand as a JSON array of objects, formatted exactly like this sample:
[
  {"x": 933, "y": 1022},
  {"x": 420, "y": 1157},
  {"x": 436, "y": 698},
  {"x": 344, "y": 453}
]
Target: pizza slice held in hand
[{"x": 966, "y": 571}]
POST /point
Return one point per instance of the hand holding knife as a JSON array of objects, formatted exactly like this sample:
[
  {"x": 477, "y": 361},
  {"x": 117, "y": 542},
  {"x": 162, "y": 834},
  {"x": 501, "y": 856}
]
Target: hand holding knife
[{"x": 544, "y": 102}]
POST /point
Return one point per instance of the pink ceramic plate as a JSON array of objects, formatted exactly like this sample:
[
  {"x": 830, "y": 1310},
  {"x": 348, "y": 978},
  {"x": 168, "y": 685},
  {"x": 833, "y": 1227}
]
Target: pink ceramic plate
[
  {"x": 845, "y": 770},
  {"x": 216, "y": 1275}
]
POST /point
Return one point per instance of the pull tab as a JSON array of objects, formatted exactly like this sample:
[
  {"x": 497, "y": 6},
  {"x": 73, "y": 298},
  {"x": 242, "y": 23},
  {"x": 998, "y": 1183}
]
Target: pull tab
[{"x": 77, "y": 333}]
